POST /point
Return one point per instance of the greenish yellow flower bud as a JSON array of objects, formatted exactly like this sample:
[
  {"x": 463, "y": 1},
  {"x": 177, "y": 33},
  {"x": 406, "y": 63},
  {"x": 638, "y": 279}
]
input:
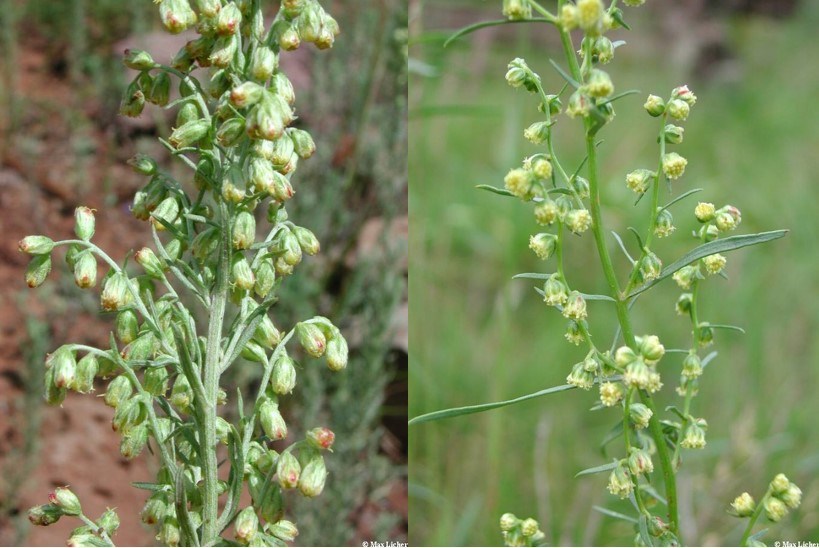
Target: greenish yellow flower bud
[
  {"x": 775, "y": 509},
  {"x": 307, "y": 240},
  {"x": 266, "y": 334},
  {"x": 208, "y": 8},
  {"x": 579, "y": 105},
  {"x": 134, "y": 441},
  {"x": 284, "y": 530},
  {"x": 686, "y": 276},
  {"x": 639, "y": 462},
  {"x": 85, "y": 270},
  {"x": 678, "y": 109},
  {"x": 156, "y": 381},
  {"x": 590, "y": 16},
  {"x": 241, "y": 274},
  {"x": 518, "y": 74},
  {"x": 321, "y": 438},
  {"x": 288, "y": 471},
  {"x": 284, "y": 87},
  {"x": 229, "y": 19},
  {"x": 665, "y": 223},
  {"x": 581, "y": 187},
  {"x": 64, "y": 366},
  {"x": 272, "y": 421},
  {"x": 283, "y": 376},
  {"x": 337, "y": 353},
  {"x": 780, "y": 484},
  {"x": 52, "y": 394},
  {"x": 599, "y": 84},
  {"x": 244, "y": 230},
  {"x": 620, "y": 483},
  {"x": 119, "y": 390},
  {"x": 546, "y": 212},
  {"x": 189, "y": 134},
  {"x": 650, "y": 348},
  {"x": 714, "y": 263},
  {"x": 694, "y": 437},
  {"x": 268, "y": 118},
  {"x": 181, "y": 394},
  {"x": 169, "y": 533},
  {"x": 64, "y": 499},
  {"x": 624, "y": 356},
  {"x": 127, "y": 326},
  {"x": 692, "y": 366},
  {"x": 543, "y": 244},
  {"x": 640, "y": 415},
  {"x": 654, "y": 105},
  {"x": 265, "y": 279},
  {"x": 36, "y": 245},
  {"x": 520, "y": 182},
  {"x": 744, "y": 505},
  {"x": 167, "y": 210},
  {"x": 224, "y": 51},
  {"x": 515, "y": 10},
  {"x": 187, "y": 114},
  {"x": 38, "y": 269},
  {"x": 639, "y": 179},
  {"x": 704, "y": 212},
  {"x": 611, "y": 393},
  {"x": 575, "y": 308},
  {"x": 673, "y": 135},
  {"x": 176, "y": 15},
  {"x": 705, "y": 335},
  {"x": 529, "y": 527},
  {"x": 313, "y": 477},
  {"x": 109, "y": 522},
  {"x": 674, "y": 165},
  {"x": 87, "y": 369},
  {"x": 116, "y": 292},
  {"x": 637, "y": 373},
  {"x": 568, "y": 16},
  {"x": 537, "y": 133},
  {"x": 133, "y": 103},
  {"x": 792, "y": 496},
  {"x": 230, "y": 132},
  {"x": 684, "y": 94},
  {"x": 148, "y": 260},
  {"x": 508, "y": 522},
  {"x": 303, "y": 143},
  {"x": 311, "y": 339},
  {"x": 580, "y": 376},
  {"x": 246, "y": 94},
  {"x": 246, "y": 525},
  {"x": 555, "y": 291},
  {"x": 578, "y": 220},
  {"x": 727, "y": 218},
  {"x": 129, "y": 414},
  {"x": 45, "y": 514},
  {"x": 603, "y": 49}
]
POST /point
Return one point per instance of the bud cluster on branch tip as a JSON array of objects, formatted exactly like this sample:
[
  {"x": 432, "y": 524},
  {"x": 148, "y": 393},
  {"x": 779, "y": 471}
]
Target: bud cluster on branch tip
[
  {"x": 694, "y": 434},
  {"x": 782, "y": 495},
  {"x": 520, "y": 532},
  {"x": 639, "y": 368},
  {"x": 620, "y": 483}
]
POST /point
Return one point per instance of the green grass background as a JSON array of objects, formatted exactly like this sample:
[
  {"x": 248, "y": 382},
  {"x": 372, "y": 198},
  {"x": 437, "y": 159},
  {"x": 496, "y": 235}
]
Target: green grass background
[{"x": 478, "y": 336}]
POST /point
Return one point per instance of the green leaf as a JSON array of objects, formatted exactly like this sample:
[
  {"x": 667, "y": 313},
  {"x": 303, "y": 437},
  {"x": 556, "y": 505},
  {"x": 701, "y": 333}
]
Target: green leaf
[
  {"x": 484, "y": 24},
  {"x": 723, "y": 326},
  {"x": 637, "y": 235},
  {"x": 597, "y": 469},
  {"x": 620, "y": 96},
  {"x": 589, "y": 297},
  {"x": 643, "y": 526},
  {"x": 623, "y": 248},
  {"x": 648, "y": 488},
  {"x": 470, "y": 409},
  {"x": 560, "y": 190},
  {"x": 682, "y": 196},
  {"x": 572, "y": 82},
  {"x": 717, "y": 246},
  {"x": 615, "y": 515},
  {"x": 532, "y": 276},
  {"x": 495, "y": 190},
  {"x": 707, "y": 359},
  {"x": 149, "y": 486},
  {"x": 676, "y": 411}
]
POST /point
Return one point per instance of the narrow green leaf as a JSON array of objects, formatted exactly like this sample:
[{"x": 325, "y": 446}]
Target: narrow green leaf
[
  {"x": 615, "y": 515},
  {"x": 636, "y": 235},
  {"x": 560, "y": 190},
  {"x": 470, "y": 409},
  {"x": 707, "y": 359},
  {"x": 723, "y": 326},
  {"x": 717, "y": 246},
  {"x": 620, "y": 96},
  {"x": 623, "y": 247},
  {"x": 648, "y": 488},
  {"x": 643, "y": 526},
  {"x": 495, "y": 190},
  {"x": 589, "y": 297},
  {"x": 572, "y": 82},
  {"x": 676, "y": 411},
  {"x": 597, "y": 469},
  {"x": 532, "y": 276},
  {"x": 682, "y": 196},
  {"x": 149, "y": 486},
  {"x": 484, "y": 24}
]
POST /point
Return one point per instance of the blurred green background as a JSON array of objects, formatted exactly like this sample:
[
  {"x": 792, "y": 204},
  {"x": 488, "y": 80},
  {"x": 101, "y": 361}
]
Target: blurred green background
[{"x": 479, "y": 336}]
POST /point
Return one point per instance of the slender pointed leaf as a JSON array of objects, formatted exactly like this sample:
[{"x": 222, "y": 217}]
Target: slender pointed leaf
[
  {"x": 717, "y": 246},
  {"x": 597, "y": 469},
  {"x": 636, "y": 235},
  {"x": 149, "y": 486},
  {"x": 565, "y": 75},
  {"x": 484, "y": 24},
  {"x": 495, "y": 190},
  {"x": 707, "y": 359},
  {"x": 643, "y": 526},
  {"x": 620, "y": 96},
  {"x": 682, "y": 196},
  {"x": 470, "y": 409},
  {"x": 623, "y": 247},
  {"x": 615, "y": 515},
  {"x": 532, "y": 276},
  {"x": 723, "y": 326},
  {"x": 648, "y": 488},
  {"x": 589, "y": 297}
]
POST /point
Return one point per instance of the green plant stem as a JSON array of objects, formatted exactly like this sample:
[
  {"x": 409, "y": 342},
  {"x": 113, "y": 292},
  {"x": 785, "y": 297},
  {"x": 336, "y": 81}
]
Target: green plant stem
[
  {"x": 96, "y": 528},
  {"x": 213, "y": 360},
  {"x": 754, "y": 517}
]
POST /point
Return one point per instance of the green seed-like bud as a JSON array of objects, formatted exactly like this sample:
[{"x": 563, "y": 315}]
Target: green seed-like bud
[
  {"x": 639, "y": 179},
  {"x": 169, "y": 533},
  {"x": 673, "y": 135},
  {"x": 775, "y": 509},
  {"x": 115, "y": 292},
  {"x": 665, "y": 223},
  {"x": 263, "y": 63},
  {"x": 230, "y": 131},
  {"x": 575, "y": 308},
  {"x": 160, "y": 91},
  {"x": 272, "y": 421},
  {"x": 134, "y": 441},
  {"x": 222, "y": 430},
  {"x": 181, "y": 394},
  {"x": 683, "y": 305},
  {"x": 529, "y": 527},
  {"x": 189, "y": 133},
  {"x": 167, "y": 210},
  {"x": 265, "y": 278},
  {"x": 129, "y": 414},
  {"x": 311, "y": 338},
  {"x": 38, "y": 269},
  {"x": 188, "y": 113},
  {"x": 284, "y": 530},
  {"x": 64, "y": 367},
  {"x": 87, "y": 369},
  {"x": 36, "y": 245},
  {"x": 744, "y": 505},
  {"x": 176, "y": 15},
  {"x": 154, "y": 508},
  {"x": 678, "y": 109},
  {"x": 127, "y": 326},
  {"x": 45, "y": 514},
  {"x": 650, "y": 348},
  {"x": 706, "y": 335},
  {"x": 133, "y": 103},
  {"x": 620, "y": 483},
  {"x": 288, "y": 470},
  {"x": 694, "y": 437},
  {"x": 537, "y": 133},
  {"x": 246, "y": 94},
  {"x": 674, "y": 165},
  {"x": 66, "y": 501},
  {"x": 229, "y": 19},
  {"x": 156, "y": 381},
  {"x": 727, "y": 218},
  {"x": 283, "y": 377},
  {"x": 337, "y": 353},
  {"x": 138, "y": 59},
  {"x": 321, "y": 438},
  {"x": 269, "y": 117},
  {"x": 654, "y": 105},
  {"x": 313, "y": 476},
  {"x": 266, "y": 334},
  {"x": 261, "y": 174},
  {"x": 686, "y": 276},
  {"x": 241, "y": 274},
  {"x": 254, "y": 352},
  {"x": 508, "y": 522},
  {"x": 244, "y": 230},
  {"x": 580, "y": 376},
  {"x": 692, "y": 366},
  {"x": 85, "y": 270},
  {"x": 599, "y": 84},
  {"x": 543, "y": 244},
  {"x": 119, "y": 390},
  {"x": 303, "y": 143},
  {"x": 109, "y": 522},
  {"x": 247, "y": 523},
  {"x": 639, "y": 462},
  {"x": 603, "y": 49},
  {"x": 555, "y": 291},
  {"x": 282, "y": 189},
  {"x": 284, "y": 88},
  {"x": 685, "y": 94},
  {"x": 517, "y": 73},
  {"x": 640, "y": 415}
]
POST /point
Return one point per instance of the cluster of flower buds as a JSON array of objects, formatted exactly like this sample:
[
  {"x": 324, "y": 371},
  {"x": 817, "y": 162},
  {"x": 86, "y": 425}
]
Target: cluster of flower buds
[
  {"x": 783, "y": 495},
  {"x": 640, "y": 367},
  {"x": 520, "y": 532},
  {"x": 63, "y": 502}
]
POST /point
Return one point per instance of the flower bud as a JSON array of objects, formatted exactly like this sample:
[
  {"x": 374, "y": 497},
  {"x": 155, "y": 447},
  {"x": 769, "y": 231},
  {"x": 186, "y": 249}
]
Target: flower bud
[
  {"x": 541, "y": 168},
  {"x": 673, "y": 135},
  {"x": 639, "y": 179},
  {"x": 288, "y": 471},
  {"x": 518, "y": 73},
  {"x": 579, "y": 105},
  {"x": 263, "y": 63},
  {"x": 176, "y": 15},
  {"x": 792, "y": 496},
  {"x": 148, "y": 260},
  {"x": 244, "y": 230},
  {"x": 246, "y": 94},
  {"x": 599, "y": 84},
  {"x": 654, "y": 105},
  {"x": 160, "y": 91},
  {"x": 189, "y": 133},
  {"x": 515, "y": 10},
  {"x": 169, "y": 533},
  {"x": 520, "y": 183},
  {"x": 283, "y": 376},
  {"x": 619, "y": 482},
  {"x": 694, "y": 437},
  {"x": 229, "y": 19},
  {"x": 611, "y": 393},
  {"x": 686, "y": 276},
  {"x": 66, "y": 501},
  {"x": 116, "y": 292},
  {"x": 303, "y": 143},
  {"x": 268, "y": 118},
  {"x": 321, "y": 438},
  {"x": 650, "y": 348},
  {"x": 45, "y": 514},
  {"x": 156, "y": 381},
  {"x": 555, "y": 291},
  {"x": 312, "y": 477},
  {"x": 640, "y": 415},
  {"x": 775, "y": 509},
  {"x": 568, "y": 17},
  {"x": 129, "y": 414},
  {"x": 241, "y": 274},
  {"x": 118, "y": 391},
  {"x": 284, "y": 88},
  {"x": 508, "y": 522},
  {"x": 230, "y": 132},
  {"x": 684, "y": 94},
  {"x": 266, "y": 333},
  {"x": 546, "y": 212},
  {"x": 247, "y": 523},
  {"x": 284, "y": 530},
  {"x": 580, "y": 376},
  {"x": 85, "y": 270},
  {"x": 311, "y": 339},
  {"x": 575, "y": 308},
  {"x": 307, "y": 240},
  {"x": 36, "y": 245},
  {"x": 537, "y": 133},
  {"x": 87, "y": 369},
  {"x": 154, "y": 508},
  {"x": 678, "y": 109},
  {"x": 705, "y": 335},
  {"x": 64, "y": 367},
  {"x": 704, "y": 212},
  {"x": 38, "y": 269},
  {"x": 639, "y": 462},
  {"x": 127, "y": 326},
  {"x": 692, "y": 366},
  {"x": 134, "y": 441},
  {"x": 265, "y": 279},
  {"x": 529, "y": 527},
  {"x": 727, "y": 218},
  {"x": 674, "y": 165},
  {"x": 543, "y": 244},
  {"x": 578, "y": 220},
  {"x": 138, "y": 59},
  {"x": 714, "y": 263},
  {"x": 780, "y": 484},
  {"x": 573, "y": 333},
  {"x": 337, "y": 353},
  {"x": 181, "y": 394},
  {"x": 744, "y": 505},
  {"x": 683, "y": 305},
  {"x": 133, "y": 103},
  {"x": 109, "y": 522},
  {"x": 272, "y": 421},
  {"x": 590, "y": 16}
]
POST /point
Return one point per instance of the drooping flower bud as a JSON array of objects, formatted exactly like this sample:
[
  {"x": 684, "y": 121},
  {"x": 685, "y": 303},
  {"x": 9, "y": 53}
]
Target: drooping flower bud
[
  {"x": 744, "y": 505},
  {"x": 134, "y": 441},
  {"x": 283, "y": 376},
  {"x": 288, "y": 470},
  {"x": 241, "y": 274},
  {"x": 792, "y": 496},
  {"x": 654, "y": 105},
  {"x": 674, "y": 165},
  {"x": 85, "y": 270},
  {"x": 36, "y": 245},
  {"x": 619, "y": 482},
  {"x": 87, "y": 369},
  {"x": 543, "y": 244},
  {"x": 167, "y": 210},
  {"x": 508, "y": 521},
  {"x": 665, "y": 223},
  {"x": 555, "y": 291},
  {"x": 692, "y": 366},
  {"x": 229, "y": 19},
  {"x": 283, "y": 530},
  {"x": 313, "y": 476},
  {"x": 673, "y": 135},
  {"x": 678, "y": 109},
  {"x": 181, "y": 394},
  {"x": 639, "y": 462},
  {"x": 118, "y": 391},
  {"x": 38, "y": 269},
  {"x": 311, "y": 339},
  {"x": 578, "y": 220},
  {"x": 64, "y": 499},
  {"x": 246, "y": 94},
  {"x": 64, "y": 367},
  {"x": 244, "y": 230},
  {"x": 639, "y": 179},
  {"x": 337, "y": 352},
  {"x": 686, "y": 276},
  {"x": 640, "y": 415},
  {"x": 590, "y": 16},
  {"x": 160, "y": 91},
  {"x": 579, "y": 105},
  {"x": 727, "y": 218},
  {"x": 775, "y": 509},
  {"x": 303, "y": 143},
  {"x": 515, "y": 10},
  {"x": 45, "y": 514},
  {"x": 148, "y": 260},
  {"x": 537, "y": 133},
  {"x": 568, "y": 16},
  {"x": 683, "y": 305},
  {"x": 651, "y": 348},
  {"x": 611, "y": 393},
  {"x": 575, "y": 308},
  {"x": 129, "y": 414},
  {"x": 176, "y": 15},
  {"x": 247, "y": 523},
  {"x": 169, "y": 533},
  {"x": 714, "y": 263},
  {"x": 109, "y": 522},
  {"x": 133, "y": 102},
  {"x": 694, "y": 437},
  {"x": 580, "y": 376},
  {"x": 272, "y": 421},
  {"x": 321, "y": 438},
  {"x": 116, "y": 293},
  {"x": 138, "y": 59},
  {"x": 189, "y": 133},
  {"x": 599, "y": 84},
  {"x": 154, "y": 508},
  {"x": 263, "y": 63},
  {"x": 685, "y": 94},
  {"x": 127, "y": 326},
  {"x": 156, "y": 381}
]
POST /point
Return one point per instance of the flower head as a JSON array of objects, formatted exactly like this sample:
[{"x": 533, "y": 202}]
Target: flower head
[{"x": 674, "y": 165}]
